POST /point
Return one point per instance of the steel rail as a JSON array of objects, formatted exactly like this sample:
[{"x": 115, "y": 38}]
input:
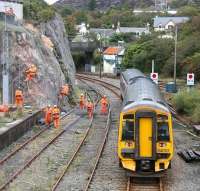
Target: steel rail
[
  {"x": 159, "y": 186},
  {"x": 56, "y": 184},
  {"x": 28, "y": 163},
  {"x": 108, "y": 125},
  {"x": 29, "y": 141},
  {"x": 102, "y": 83}
]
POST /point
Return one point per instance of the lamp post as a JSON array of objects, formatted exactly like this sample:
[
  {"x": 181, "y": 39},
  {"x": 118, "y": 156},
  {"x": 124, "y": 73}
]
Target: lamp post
[
  {"x": 175, "y": 55},
  {"x": 99, "y": 38}
]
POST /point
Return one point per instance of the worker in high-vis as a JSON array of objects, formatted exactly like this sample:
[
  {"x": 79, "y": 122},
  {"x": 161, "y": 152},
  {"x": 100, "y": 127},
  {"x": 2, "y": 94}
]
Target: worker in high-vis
[
  {"x": 56, "y": 116},
  {"x": 82, "y": 102},
  {"x": 31, "y": 72},
  {"x": 90, "y": 109},
  {"x": 104, "y": 105},
  {"x": 48, "y": 115},
  {"x": 64, "y": 91},
  {"x": 19, "y": 99}
]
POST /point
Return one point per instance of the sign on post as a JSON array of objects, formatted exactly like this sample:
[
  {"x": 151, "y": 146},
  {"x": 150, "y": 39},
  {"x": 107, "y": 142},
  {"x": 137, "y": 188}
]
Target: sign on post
[
  {"x": 154, "y": 77},
  {"x": 190, "y": 79}
]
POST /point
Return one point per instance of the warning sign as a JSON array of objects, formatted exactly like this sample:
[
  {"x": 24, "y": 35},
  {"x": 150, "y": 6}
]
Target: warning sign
[
  {"x": 190, "y": 79},
  {"x": 154, "y": 77}
]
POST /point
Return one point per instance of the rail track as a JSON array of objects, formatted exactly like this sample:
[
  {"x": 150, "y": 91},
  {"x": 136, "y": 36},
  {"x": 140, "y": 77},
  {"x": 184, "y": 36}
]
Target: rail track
[
  {"x": 93, "y": 144},
  {"x": 141, "y": 184},
  {"x": 26, "y": 162}
]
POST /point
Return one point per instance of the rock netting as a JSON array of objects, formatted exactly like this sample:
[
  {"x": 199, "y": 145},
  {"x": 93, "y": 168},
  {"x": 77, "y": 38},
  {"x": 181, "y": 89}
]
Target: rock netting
[{"x": 51, "y": 54}]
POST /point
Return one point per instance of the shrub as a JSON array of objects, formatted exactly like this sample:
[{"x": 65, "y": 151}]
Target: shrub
[{"x": 188, "y": 102}]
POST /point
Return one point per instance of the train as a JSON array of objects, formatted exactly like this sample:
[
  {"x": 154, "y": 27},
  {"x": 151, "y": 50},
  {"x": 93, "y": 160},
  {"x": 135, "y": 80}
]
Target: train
[{"x": 145, "y": 136}]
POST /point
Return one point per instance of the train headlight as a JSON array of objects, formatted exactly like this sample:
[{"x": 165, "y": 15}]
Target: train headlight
[
  {"x": 162, "y": 144},
  {"x": 128, "y": 153}
]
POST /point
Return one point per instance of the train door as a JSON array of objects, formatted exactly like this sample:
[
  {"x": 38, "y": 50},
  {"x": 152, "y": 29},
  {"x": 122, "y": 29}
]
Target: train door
[{"x": 145, "y": 135}]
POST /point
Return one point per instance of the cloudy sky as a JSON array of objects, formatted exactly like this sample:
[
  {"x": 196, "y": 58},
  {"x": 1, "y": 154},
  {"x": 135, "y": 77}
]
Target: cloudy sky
[{"x": 51, "y": 1}]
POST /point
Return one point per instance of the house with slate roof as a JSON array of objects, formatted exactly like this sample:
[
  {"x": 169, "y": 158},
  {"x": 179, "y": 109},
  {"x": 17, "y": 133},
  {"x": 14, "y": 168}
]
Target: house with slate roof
[
  {"x": 166, "y": 23},
  {"x": 112, "y": 59}
]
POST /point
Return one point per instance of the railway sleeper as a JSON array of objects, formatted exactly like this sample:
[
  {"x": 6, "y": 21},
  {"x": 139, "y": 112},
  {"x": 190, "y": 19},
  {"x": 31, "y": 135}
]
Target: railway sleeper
[{"x": 189, "y": 155}]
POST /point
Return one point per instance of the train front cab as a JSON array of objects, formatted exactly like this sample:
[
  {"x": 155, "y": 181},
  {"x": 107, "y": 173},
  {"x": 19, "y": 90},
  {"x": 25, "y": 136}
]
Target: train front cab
[{"x": 145, "y": 142}]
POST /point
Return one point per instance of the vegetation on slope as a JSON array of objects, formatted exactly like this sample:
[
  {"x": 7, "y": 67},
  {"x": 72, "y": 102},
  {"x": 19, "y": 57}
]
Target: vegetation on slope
[{"x": 38, "y": 10}]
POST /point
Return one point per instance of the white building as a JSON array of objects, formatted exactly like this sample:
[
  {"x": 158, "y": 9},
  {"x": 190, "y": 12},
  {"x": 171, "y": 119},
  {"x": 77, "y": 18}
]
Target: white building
[
  {"x": 15, "y": 5},
  {"x": 166, "y": 23},
  {"x": 112, "y": 59}
]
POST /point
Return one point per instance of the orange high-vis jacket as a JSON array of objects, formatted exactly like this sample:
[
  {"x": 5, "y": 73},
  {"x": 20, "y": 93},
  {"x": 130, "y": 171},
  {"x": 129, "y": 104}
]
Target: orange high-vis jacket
[
  {"x": 64, "y": 90},
  {"x": 56, "y": 113},
  {"x": 31, "y": 72},
  {"x": 4, "y": 108},
  {"x": 104, "y": 101},
  {"x": 19, "y": 98},
  {"x": 48, "y": 116}
]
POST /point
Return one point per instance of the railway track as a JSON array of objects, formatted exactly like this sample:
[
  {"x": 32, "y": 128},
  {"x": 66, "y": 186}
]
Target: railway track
[
  {"x": 92, "y": 143},
  {"x": 107, "y": 169},
  {"x": 28, "y": 159},
  {"x": 141, "y": 184}
]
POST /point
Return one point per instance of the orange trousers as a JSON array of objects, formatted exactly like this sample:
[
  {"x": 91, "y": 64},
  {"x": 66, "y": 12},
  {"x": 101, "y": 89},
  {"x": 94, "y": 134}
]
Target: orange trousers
[
  {"x": 90, "y": 113},
  {"x": 48, "y": 118},
  {"x": 56, "y": 122},
  {"x": 82, "y": 105},
  {"x": 103, "y": 108}
]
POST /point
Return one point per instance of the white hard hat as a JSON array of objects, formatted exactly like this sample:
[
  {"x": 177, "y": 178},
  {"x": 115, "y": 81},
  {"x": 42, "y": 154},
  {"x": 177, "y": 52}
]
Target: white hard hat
[
  {"x": 82, "y": 94},
  {"x": 49, "y": 105},
  {"x": 55, "y": 106}
]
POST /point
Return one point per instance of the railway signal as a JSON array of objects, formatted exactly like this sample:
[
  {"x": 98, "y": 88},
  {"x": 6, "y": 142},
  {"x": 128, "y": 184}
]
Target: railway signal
[
  {"x": 190, "y": 79},
  {"x": 154, "y": 77}
]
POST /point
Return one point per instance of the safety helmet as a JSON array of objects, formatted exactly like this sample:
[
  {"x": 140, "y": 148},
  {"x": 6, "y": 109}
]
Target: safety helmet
[
  {"x": 82, "y": 94},
  {"x": 55, "y": 106},
  {"x": 49, "y": 105}
]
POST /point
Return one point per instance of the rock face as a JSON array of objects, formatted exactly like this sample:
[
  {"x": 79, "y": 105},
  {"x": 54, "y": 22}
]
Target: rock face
[
  {"x": 102, "y": 4},
  {"x": 51, "y": 55},
  {"x": 55, "y": 30}
]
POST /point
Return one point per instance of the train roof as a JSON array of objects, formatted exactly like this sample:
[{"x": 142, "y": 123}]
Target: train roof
[
  {"x": 130, "y": 74},
  {"x": 143, "y": 91}
]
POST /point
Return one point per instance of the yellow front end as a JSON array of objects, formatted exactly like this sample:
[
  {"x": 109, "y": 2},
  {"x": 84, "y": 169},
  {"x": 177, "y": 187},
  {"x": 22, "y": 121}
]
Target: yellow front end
[{"x": 145, "y": 141}]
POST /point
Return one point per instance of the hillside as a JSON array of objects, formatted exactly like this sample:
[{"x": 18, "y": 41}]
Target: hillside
[{"x": 102, "y": 4}]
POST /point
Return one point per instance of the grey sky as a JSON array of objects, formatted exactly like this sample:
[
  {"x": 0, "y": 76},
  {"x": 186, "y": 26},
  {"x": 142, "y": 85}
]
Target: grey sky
[{"x": 51, "y": 1}]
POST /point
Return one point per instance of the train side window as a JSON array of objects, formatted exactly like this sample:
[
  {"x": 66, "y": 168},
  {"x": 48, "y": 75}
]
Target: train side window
[
  {"x": 163, "y": 131},
  {"x": 128, "y": 130}
]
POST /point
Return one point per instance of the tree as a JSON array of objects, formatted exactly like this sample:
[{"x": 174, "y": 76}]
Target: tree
[{"x": 92, "y": 5}]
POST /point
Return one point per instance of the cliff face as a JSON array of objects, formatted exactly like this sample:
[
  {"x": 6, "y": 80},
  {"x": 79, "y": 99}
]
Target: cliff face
[
  {"x": 103, "y": 4},
  {"x": 55, "y": 30},
  {"x": 49, "y": 51}
]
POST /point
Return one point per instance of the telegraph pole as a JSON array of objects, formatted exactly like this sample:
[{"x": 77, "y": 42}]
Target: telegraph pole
[
  {"x": 5, "y": 72},
  {"x": 175, "y": 54}
]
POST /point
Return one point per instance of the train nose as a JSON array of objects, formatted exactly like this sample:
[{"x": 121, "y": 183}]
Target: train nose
[{"x": 145, "y": 165}]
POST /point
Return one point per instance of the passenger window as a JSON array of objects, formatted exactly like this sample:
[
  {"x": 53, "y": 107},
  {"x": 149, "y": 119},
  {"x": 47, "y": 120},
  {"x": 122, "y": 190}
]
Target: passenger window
[
  {"x": 128, "y": 127},
  {"x": 163, "y": 132}
]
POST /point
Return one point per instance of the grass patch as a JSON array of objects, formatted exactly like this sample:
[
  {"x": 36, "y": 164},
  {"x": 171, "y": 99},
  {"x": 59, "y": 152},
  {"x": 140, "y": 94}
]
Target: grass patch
[{"x": 188, "y": 103}]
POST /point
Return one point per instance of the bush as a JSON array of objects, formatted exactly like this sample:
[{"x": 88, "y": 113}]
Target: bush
[{"x": 188, "y": 103}]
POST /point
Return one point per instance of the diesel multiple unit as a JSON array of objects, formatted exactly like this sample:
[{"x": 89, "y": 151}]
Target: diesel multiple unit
[{"x": 145, "y": 142}]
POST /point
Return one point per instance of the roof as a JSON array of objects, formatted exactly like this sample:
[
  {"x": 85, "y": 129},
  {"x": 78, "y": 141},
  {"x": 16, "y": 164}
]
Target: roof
[
  {"x": 143, "y": 91},
  {"x": 133, "y": 30},
  {"x": 112, "y": 51},
  {"x": 165, "y": 20},
  {"x": 103, "y": 32},
  {"x": 131, "y": 74},
  {"x": 12, "y": 1}
]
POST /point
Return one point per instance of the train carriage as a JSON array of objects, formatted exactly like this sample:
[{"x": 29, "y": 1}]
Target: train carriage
[{"x": 145, "y": 142}]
